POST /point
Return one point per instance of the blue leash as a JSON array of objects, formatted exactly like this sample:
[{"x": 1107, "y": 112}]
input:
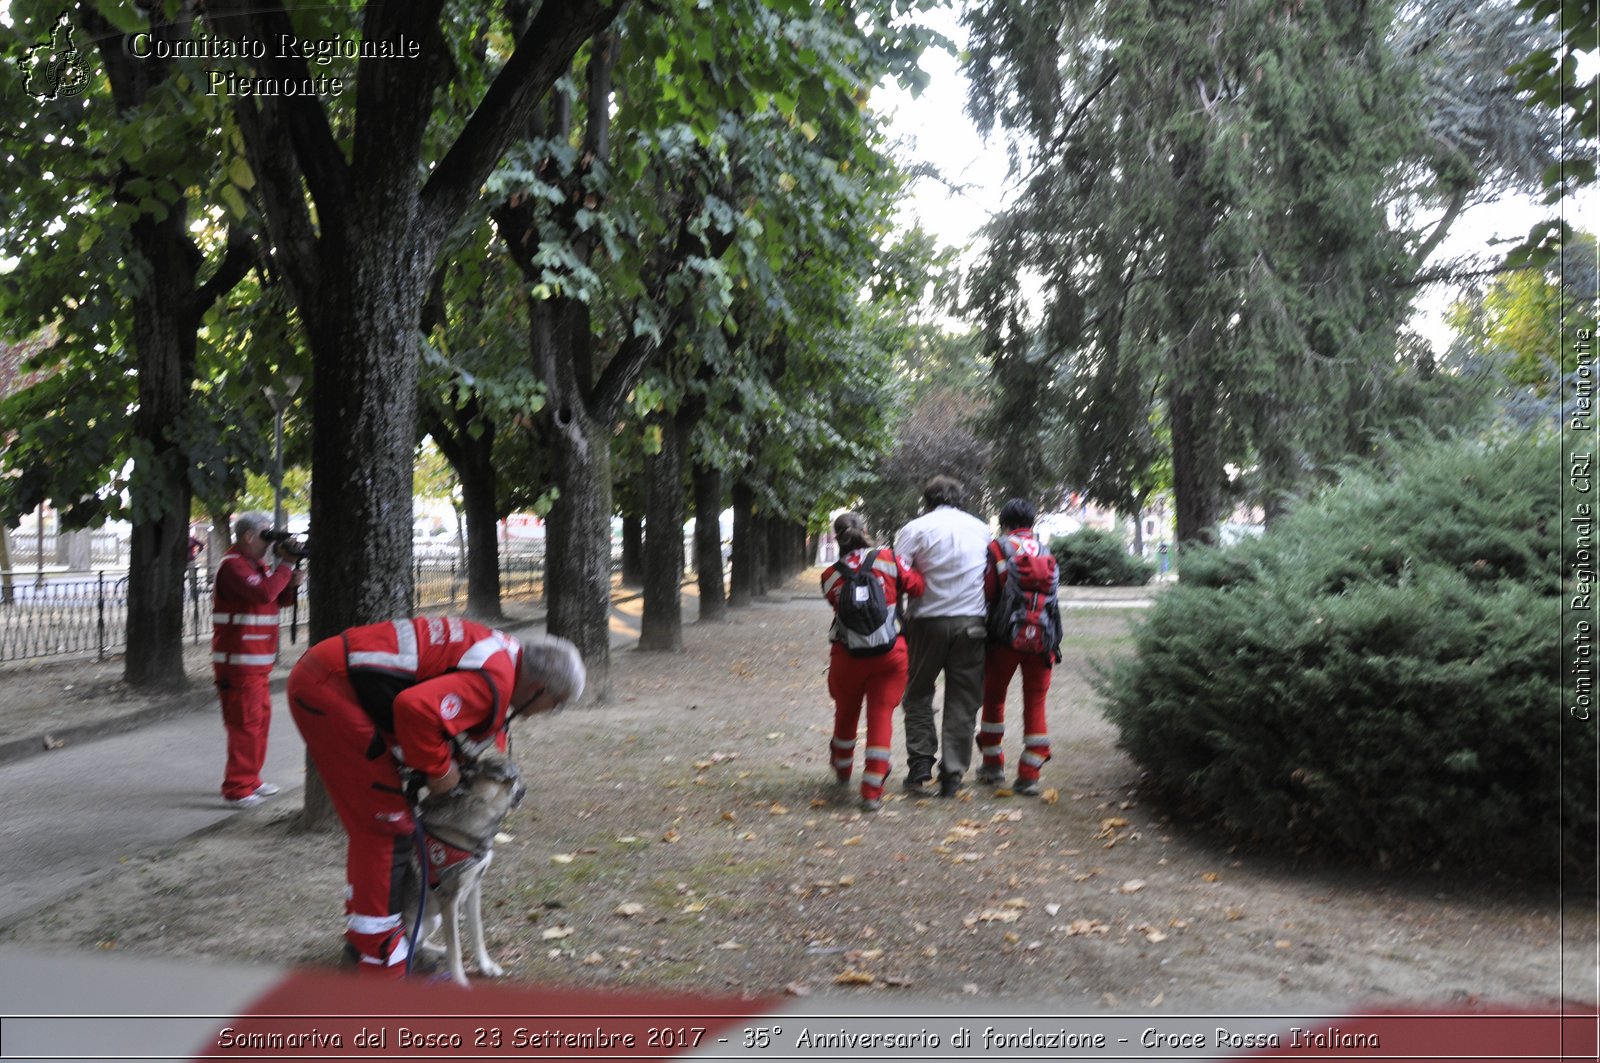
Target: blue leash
[{"x": 421, "y": 839}]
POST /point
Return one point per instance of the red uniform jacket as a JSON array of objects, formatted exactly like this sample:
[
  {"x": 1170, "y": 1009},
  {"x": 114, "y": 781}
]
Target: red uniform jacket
[
  {"x": 887, "y": 566},
  {"x": 244, "y": 615},
  {"x": 424, "y": 680}
]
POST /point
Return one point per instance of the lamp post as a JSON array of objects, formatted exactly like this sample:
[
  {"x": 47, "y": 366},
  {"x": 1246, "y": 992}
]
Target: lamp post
[{"x": 278, "y": 397}]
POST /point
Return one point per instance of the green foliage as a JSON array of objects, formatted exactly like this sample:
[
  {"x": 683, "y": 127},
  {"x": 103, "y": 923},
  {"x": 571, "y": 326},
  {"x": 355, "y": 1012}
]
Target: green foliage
[
  {"x": 1095, "y": 558},
  {"x": 1522, "y": 320},
  {"x": 1377, "y": 677},
  {"x": 1549, "y": 82},
  {"x": 1221, "y": 218}
]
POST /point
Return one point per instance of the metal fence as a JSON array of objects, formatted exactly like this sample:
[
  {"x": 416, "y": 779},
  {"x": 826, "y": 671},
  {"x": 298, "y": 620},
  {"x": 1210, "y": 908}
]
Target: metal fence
[{"x": 85, "y": 614}]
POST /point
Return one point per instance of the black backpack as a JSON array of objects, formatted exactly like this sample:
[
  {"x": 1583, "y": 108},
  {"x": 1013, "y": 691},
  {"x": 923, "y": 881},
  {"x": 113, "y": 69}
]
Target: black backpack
[{"x": 863, "y": 620}]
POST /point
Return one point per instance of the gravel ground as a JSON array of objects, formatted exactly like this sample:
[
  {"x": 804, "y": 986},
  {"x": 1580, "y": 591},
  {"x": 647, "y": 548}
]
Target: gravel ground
[{"x": 688, "y": 836}]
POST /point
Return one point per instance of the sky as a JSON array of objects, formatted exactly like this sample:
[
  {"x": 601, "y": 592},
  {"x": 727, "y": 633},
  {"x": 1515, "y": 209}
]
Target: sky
[{"x": 934, "y": 128}]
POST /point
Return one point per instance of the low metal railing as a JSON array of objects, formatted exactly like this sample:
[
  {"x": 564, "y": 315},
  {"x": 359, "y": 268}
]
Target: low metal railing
[{"x": 85, "y": 614}]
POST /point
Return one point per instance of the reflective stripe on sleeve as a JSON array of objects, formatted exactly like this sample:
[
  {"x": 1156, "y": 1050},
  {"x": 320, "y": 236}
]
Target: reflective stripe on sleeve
[{"x": 404, "y": 659}]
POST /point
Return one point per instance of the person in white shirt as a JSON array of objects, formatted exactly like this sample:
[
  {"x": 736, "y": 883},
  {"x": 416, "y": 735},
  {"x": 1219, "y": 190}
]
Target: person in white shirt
[{"x": 945, "y": 634}]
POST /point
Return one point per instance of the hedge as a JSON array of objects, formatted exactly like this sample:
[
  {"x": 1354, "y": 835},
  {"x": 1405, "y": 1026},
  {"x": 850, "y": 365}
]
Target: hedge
[{"x": 1378, "y": 677}]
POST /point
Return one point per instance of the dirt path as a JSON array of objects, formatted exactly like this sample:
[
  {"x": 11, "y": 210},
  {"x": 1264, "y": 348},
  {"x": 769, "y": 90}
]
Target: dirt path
[{"x": 688, "y": 837}]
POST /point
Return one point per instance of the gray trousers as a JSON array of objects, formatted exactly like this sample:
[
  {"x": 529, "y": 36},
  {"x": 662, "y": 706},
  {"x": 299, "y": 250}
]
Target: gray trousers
[{"x": 953, "y": 645}]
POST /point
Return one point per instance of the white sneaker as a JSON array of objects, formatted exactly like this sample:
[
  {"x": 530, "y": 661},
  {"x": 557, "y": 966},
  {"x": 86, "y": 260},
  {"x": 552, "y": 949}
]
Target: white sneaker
[
  {"x": 266, "y": 789},
  {"x": 247, "y": 801}
]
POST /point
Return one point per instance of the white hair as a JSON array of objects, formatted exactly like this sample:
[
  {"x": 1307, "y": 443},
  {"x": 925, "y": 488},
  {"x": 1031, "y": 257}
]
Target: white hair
[
  {"x": 254, "y": 520},
  {"x": 555, "y": 664}
]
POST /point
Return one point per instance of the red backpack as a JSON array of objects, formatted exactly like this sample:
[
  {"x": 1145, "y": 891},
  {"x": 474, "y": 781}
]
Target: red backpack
[{"x": 1025, "y": 615}]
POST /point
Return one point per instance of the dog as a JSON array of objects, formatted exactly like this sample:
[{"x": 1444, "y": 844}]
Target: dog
[{"x": 458, "y": 833}]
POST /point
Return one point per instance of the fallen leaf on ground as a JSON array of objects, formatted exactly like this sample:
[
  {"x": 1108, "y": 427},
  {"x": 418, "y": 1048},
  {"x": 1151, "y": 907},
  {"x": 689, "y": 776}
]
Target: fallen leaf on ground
[
  {"x": 628, "y": 909},
  {"x": 778, "y": 810},
  {"x": 996, "y": 915},
  {"x": 1133, "y": 885},
  {"x": 729, "y": 946},
  {"x": 1087, "y": 926},
  {"x": 1050, "y": 796},
  {"x": 854, "y": 839},
  {"x": 1052, "y": 909},
  {"x": 851, "y": 976},
  {"x": 556, "y": 932},
  {"x": 797, "y": 989},
  {"x": 562, "y": 858},
  {"x": 694, "y": 906},
  {"x": 671, "y": 836},
  {"x": 1211, "y": 876}
]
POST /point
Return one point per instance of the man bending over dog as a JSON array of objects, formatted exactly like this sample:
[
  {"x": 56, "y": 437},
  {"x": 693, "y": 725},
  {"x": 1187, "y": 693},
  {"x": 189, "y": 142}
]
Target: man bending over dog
[{"x": 385, "y": 698}]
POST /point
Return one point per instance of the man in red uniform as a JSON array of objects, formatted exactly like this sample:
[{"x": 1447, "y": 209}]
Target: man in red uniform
[
  {"x": 402, "y": 694},
  {"x": 244, "y": 646}
]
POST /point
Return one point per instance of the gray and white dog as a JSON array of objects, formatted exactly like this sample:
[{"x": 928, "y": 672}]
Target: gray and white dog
[{"x": 459, "y": 829}]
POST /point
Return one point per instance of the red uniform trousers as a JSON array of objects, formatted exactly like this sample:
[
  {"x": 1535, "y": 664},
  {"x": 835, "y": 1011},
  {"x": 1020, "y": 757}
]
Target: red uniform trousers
[
  {"x": 246, "y": 716},
  {"x": 368, "y": 794},
  {"x": 881, "y": 680},
  {"x": 1000, "y": 663}
]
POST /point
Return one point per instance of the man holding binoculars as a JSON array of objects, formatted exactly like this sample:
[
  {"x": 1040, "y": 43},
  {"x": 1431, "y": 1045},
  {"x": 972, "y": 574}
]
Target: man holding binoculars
[{"x": 244, "y": 645}]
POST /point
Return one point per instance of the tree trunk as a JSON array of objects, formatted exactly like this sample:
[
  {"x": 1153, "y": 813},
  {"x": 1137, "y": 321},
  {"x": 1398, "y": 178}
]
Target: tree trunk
[
  {"x": 1196, "y": 463},
  {"x": 578, "y": 539},
  {"x": 8, "y": 590},
  {"x": 472, "y": 458},
  {"x": 478, "y": 499},
  {"x": 742, "y": 578},
  {"x": 633, "y": 560},
  {"x": 578, "y": 530},
  {"x": 164, "y": 344},
  {"x": 760, "y": 554},
  {"x": 661, "y": 626},
  {"x": 364, "y": 400},
  {"x": 708, "y": 543}
]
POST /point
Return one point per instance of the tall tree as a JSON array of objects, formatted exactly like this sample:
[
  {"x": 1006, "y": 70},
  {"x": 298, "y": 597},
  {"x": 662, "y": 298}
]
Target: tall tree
[
  {"x": 101, "y": 199},
  {"x": 359, "y": 205},
  {"x": 1230, "y": 197}
]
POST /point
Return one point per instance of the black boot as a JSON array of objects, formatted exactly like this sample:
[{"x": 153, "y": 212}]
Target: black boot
[
  {"x": 949, "y": 783},
  {"x": 919, "y": 773}
]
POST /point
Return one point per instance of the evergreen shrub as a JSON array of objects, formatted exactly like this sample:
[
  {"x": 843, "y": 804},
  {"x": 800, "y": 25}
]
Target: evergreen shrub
[
  {"x": 1378, "y": 676},
  {"x": 1093, "y": 558}
]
